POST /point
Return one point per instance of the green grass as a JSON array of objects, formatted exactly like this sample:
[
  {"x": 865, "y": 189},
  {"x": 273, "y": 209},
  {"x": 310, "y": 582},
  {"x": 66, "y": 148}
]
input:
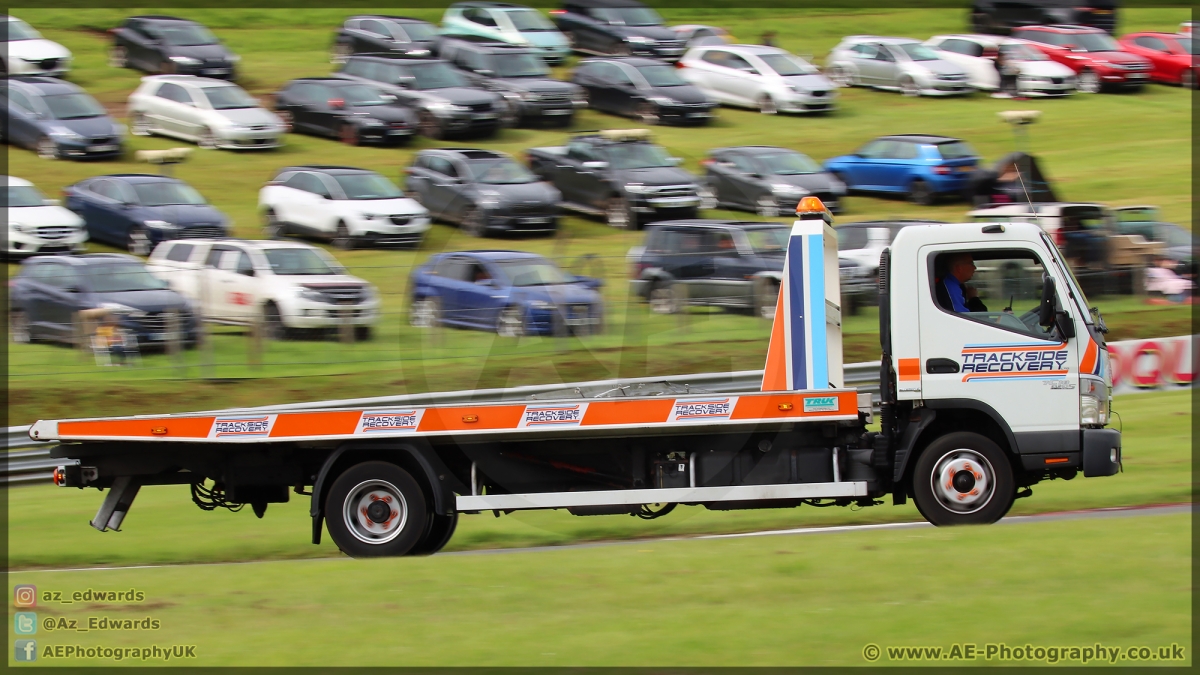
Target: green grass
[
  {"x": 48, "y": 526},
  {"x": 1119, "y": 149},
  {"x": 779, "y": 601}
]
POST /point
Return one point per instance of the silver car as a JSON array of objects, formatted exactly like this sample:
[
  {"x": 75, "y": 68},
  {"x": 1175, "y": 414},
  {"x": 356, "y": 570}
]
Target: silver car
[
  {"x": 895, "y": 64},
  {"x": 212, "y": 113},
  {"x": 752, "y": 76}
]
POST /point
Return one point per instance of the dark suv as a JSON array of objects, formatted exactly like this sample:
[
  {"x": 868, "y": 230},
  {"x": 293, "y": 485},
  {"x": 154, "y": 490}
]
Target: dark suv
[
  {"x": 446, "y": 102},
  {"x": 349, "y": 111},
  {"x": 1003, "y": 16},
  {"x": 519, "y": 75},
  {"x": 383, "y": 34},
  {"x": 168, "y": 44},
  {"x": 617, "y": 27}
]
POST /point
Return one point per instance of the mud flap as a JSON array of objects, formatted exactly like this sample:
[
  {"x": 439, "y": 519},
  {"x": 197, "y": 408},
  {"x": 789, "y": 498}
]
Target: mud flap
[{"x": 116, "y": 504}]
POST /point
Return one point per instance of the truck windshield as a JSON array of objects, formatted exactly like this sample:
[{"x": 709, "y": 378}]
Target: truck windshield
[
  {"x": 523, "y": 64},
  {"x": 638, "y": 156},
  {"x": 436, "y": 75},
  {"x": 529, "y": 20},
  {"x": 500, "y": 172},
  {"x": 367, "y": 186},
  {"x": 297, "y": 262},
  {"x": 1072, "y": 282},
  {"x": 23, "y": 195},
  {"x": 532, "y": 272},
  {"x": 122, "y": 277},
  {"x": 768, "y": 240},
  {"x": 167, "y": 194}
]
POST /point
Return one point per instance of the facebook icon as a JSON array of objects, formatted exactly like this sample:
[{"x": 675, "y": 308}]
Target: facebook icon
[{"x": 25, "y": 650}]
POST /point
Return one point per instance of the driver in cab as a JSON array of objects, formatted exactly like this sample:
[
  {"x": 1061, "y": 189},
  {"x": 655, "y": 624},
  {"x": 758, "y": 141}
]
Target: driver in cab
[{"x": 953, "y": 293}]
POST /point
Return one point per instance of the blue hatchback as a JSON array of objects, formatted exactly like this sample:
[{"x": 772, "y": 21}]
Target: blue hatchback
[
  {"x": 137, "y": 211},
  {"x": 921, "y": 167},
  {"x": 58, "y": 119},
  {"x": 510, "y": 292}
]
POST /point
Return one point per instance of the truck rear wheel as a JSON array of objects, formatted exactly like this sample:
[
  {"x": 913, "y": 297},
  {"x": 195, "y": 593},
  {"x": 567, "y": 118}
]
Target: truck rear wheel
[
  {"x": 375, "y": 509},
  {"x": 963, "y": 478}
]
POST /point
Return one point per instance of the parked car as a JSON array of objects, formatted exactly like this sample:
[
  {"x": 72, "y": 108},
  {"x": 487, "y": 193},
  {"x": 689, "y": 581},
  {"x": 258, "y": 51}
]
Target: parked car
[
  {"x": 383, "y": 34},
  {"x": 445, "y": 102},
  {"x": 976, "y": 54},
  {"x": 1173, "y": 57},
  {"x": 696, "y": 35},
  {"x": 26, "y": 52},
  {"x": 39, "y": 225},
  {"x": 1185, "y": 28},
  {"x": 348, "y": 206},
  {"x": 136, "y": 211},
  {"x": 513, "y": 293},
  {"x": 484, "y": 191},
  {"x": 211, "y": 113},
  {"x": 287, "y": 286},
  {"x": 167, "y": 45},
  {"x": 895, "y": 64},
  {"x": 48, "y": 291},
  {"x": 620, "y": 175},
  {"x": 348, "y": 111},
  {"x": 923, "y": 167},
  {"x": 1001, "y": 17},
  {"x": 769, "y": 180},
  {"x": 59, "y": 120},
  {"x": 647, "y": 89},
  {"x": 751, "y": 76},
  {"x": 1146, "y": 222},
  {"x": 1081, "y": 230},
  {"x": 508, "y": 23},
  {"x": 617, "y": 28},
  {"x": 863, "y": 242},
  {"x": 519, "y": 75},
  {"x": 1097, "y": 59}
]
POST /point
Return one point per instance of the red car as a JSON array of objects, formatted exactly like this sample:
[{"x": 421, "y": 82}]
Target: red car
[
  {"x": 1173, "y": 56},
  {"x": 1096, "y": 58}
]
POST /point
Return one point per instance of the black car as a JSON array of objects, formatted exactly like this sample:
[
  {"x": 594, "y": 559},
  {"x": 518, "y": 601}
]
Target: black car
[
  {"x": 617, "y": 27},
  {"x": 383, "y": 34},
  {"x": 137, "y": 211},
  {"x": 168, "y": 44},
  {"x": 352, "y": 112},
  {"x": 1002, "y": 16},
  {"x": 519, "y": 75},
  {"x": 445, "y": 102},
  {"x": 58, "y": 120},
  {"x": 769, "y": 180},
  {"x": 647, "y": 89},
  {"x": 48, "y": 291},
  {"x": 483, "y": 191}
]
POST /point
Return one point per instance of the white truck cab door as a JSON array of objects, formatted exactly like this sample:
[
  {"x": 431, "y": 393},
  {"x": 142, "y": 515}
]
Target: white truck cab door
[{"x": 1000, "y": 358}]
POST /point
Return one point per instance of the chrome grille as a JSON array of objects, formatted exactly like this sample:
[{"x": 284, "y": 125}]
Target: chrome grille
[
  {"x": 673, "y": 191},
  {"x": 480, "y": 107},
  {"x": 400, "y": 220},
  {"x": 55, "y": 232},
  {"x": 153, "y": 322},
  {"x": 341, "y": 295},
  {"x": 553, "y": 98},
  {"x": 531, "y": 209},
  {"x": 579, "y": 311},
  {"x": 202, "y": 232}
]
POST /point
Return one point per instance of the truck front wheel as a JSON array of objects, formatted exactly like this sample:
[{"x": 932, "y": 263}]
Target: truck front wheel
[
  {"x": 963, "y": 478},
  {"x": 375, "y": 509}
]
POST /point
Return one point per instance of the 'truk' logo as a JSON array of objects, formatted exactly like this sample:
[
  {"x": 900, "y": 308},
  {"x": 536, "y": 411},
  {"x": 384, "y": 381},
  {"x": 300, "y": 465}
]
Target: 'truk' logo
[{"x": 820, "y": 404}]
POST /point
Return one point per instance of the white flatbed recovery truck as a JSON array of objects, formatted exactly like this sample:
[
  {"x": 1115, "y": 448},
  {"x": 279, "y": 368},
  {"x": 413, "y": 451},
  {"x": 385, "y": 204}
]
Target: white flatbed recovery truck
[{"x": 976, "y": 407}]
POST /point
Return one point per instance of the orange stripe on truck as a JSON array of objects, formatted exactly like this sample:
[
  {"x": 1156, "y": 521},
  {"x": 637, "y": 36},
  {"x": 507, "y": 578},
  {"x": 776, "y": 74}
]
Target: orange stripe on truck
[
  {"x": 315, "y": 423},
  {"x": 775, "y": 373},
  {"x": 627, "y": 412},
  {"x": 909, "y": 369},
  {"x": 470, "y": 418},
  {"x": 176, "y": 427},
  {"x": 791, "y": 405}
]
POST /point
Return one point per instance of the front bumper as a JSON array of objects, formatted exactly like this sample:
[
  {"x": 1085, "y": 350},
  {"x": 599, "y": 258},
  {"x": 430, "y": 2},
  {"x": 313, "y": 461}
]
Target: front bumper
[
  {"x": 46, "y": 67},
  {"x": 1101, "y": 452},
  {"x": 385, "y": 133},
  {"x": 308, "y": 314},
  {"x": 470, "y": 122},
  {"x": 571, "y": 317},
  {"x": 249, "y": 139},
  {"x": 686, "y": 112},
  {"x": 946, "y": 88},
  {"x": 58, "y": 240},
  {"x": 219, "y": 71},
  {"x": 557, "y": 108},
  {"x": 152, "y": 331},
  {"x": 1046, "y": 86},
  {"x": 1126, "y": 78},
  {"x": 390, "y": 232},
  {"x": 89, "y": 148},
  {"x": 523, "y": 220},
  {"x": 664, "y": 205},
  {"x": 804, "y": 103}
]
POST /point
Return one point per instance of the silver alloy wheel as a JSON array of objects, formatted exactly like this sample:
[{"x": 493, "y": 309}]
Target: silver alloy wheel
[
  {"x": 708, "y": 197},
  {"x": 766, "y": 105},
  {"x": 375, "y": 511},
  {"x": 340, "y": 53},
  {"x": 510, "y": 115},
  {"x": 18, "y": 324},
  {"x": 273, "y": 328},
  {"x": 473, "y": 222},
  {"x": 617, "y": 213},
  {"x": 285, "y": 116},
  {"x": 1088, "y": 82},
  {"x": 423, "y": 313},
  {"x": 919, "y": 193},
  {"x": 139, "y": 125},
  {"x": 963, "y": 481},
  {"x": 47, "y": 148},
  {"x": 208, "y": 140},
  {"x": 342, "y": 239},
  {"x": 767, "y": 207},
  {"x": 139, "y": 242},
  {"x": 511, "y": 323},
  {"x": 118, "y": 57},
  {"x": 841, "y": 77},
  {"x": 664, "y": 299},
  {"x": 272, "y": 228},
  {"x": 647, "y": 112},
  {"x": 908, "y": 87}
]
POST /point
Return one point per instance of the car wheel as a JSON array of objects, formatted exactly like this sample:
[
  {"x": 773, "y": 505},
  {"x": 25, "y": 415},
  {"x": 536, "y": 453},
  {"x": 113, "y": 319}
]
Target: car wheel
[
  {"x": 376, "y": 509},
  {"x": 618, "y": 215},
  {"x": 139, "y": 125},
  {"x": 841, "y": 77},
  {"x": 511, "y": 322},
  {"x": 473, "y": 222},
  {"x": 118, "y": 57},
  {"x": 47, "y": 148},
  {"x": 340, "y": 53},
  {"x": 272, "y": 227},
  {"x": 623, "y": 49},
  {"x": 510, "y": 116},
  {"x": 963, "y": 478},
  {"x": 273, "y": 326},
  {"x": 349, "y": 135},
  {"x": 1088, "y": 82},
  {"x": 428, "y": 125},
  {"x": 166, "y": 67},
  {"x": 138, "y": 242},
  {"x": 766, "y": 300},
  {"x": 664, "y": 298},
  {"x": 766, "y": 105},
  {"x": 908, "y": 87},
  {"x": 1187, "y": 80},
  {"x": 18, "y": 326},
  {"x": 208, "y": 140},
  {"x": 341, "y": 238},
  {"x": 767, "y": 207},
  {"x": 425, "y": 313},
  {"x": 919, "y": 193},
  {"x": 647, "y": 112},
  {"x": 288, "y": 120},
  {"x": 708, "y": 197},
  {"x": 362, "y": 333}
]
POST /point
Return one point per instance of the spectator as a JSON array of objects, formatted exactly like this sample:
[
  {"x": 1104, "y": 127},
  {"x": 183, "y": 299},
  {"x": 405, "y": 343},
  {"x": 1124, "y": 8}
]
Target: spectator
[
  {"x": 108, "y": 335},
  {"x": 768, "y": 38},
  {"x": 1161, "y": 279},
  {"x": 1008, "y": 76}
]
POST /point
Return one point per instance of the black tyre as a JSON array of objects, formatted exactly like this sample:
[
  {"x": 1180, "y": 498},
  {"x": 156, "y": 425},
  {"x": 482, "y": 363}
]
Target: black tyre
[
  {"x": 438, "y": 532},
  {"x": 428, "y": 125},
  {"x": 273, "y": 228},
  {"x": 362, "y": 333},
  {"x": 766, "y": 300},
  {"x": 118, "y": 57},
  {"x": 618, "y": 214},
  {"x": 963, "y": 478},
  {"x": 920, "y": 193},
  {"x": 664, "y": 298},
  {"x": 342, "y": 239},
  {"x": 138, "y": 242},
  {"x": 375, "y": 509},
  {"x": 425, "y": 313},
  {"x": 273, "y": 326},
  {"x": 473, "y": 222}
]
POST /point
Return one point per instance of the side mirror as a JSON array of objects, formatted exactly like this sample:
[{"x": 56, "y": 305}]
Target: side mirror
[
  {"x": 1049, "y": 302},
  {"x": 247, "y": 272},
  {"x": 485, "y": 282},
  {"x": 73, "y": 289},
  {"x": 595, "y": 165},
  {"x": 1064, "y": 325}
]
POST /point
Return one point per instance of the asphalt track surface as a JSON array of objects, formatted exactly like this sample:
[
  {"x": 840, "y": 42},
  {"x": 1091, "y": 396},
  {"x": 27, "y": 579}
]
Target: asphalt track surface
[{"x": 1087, "y": 514}]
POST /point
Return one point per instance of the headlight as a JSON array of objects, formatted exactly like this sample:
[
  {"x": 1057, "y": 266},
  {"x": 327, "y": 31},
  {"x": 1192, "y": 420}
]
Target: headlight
[
  {"x": 311, "y": 295},
  {"x": 448, "y": 108},
  {"x": 373, "y": 216},
  {"x": 489, "y": 198},
  {"x": 371, "y": 122},
  {"x": 541, "y": 304},
  {"x": 160, "y": 225},
  {"x": 64, "y": 133},
  {"x": 663, "y": 100},
  {"x": 797, "y": 88},
  {"x": 117, "y": 308},
  {"x": 1093, "y": 401},
  {"x": 639, "y": 40},
  {"x": 233, "y": 58},
  {"x": 19, "y": 227},
  {"x": 185, "y": 60},
  {"x": 637, "y": 189},
  {"x": 781, "y": 188}
]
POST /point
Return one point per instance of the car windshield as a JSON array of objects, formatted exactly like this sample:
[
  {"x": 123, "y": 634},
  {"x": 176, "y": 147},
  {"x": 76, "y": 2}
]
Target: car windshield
[
  {"x": 1176, "y": 236},
  {"x": 662, "y": 76},
  {"x": 1094, "y": 42},
  {"x": 918, "y": 52},
  {"x": 438, "y": 75},
  {"x": 1138, "y": 215},
  {"x": 1020, "y": 52},
  {"x": 298, "y": 262},
  {"x": 72, "y": 106},
  {"x": 532, "y": 272},
  {"x": 360, "y": 95},
  {"x": 19, "y": 30},
  {"x": 628, "y": 16},
  {"x": 420, "y": 32},
  {"x": 530, "y": 20},
  {"x": 120, "y": 277},
  {"x": 955, "y": 150},
  {"x": 1188, "y": 45},
  {"x": 167, "y": 194},
  {"x": 229, "y": 98},
  {"x": 768, "y": 239},
  {"x": 638, "y": 156},
  {"x": 789, "y": 164},
  {"x": 367, "y": 186},
  {"x": 521, "y": 64},
  {"x": 23, "y": 195},
  {"x": 787, "y": 65},
  {"x": 500, "y": 172},
  {"x": 186, "y": 35}
]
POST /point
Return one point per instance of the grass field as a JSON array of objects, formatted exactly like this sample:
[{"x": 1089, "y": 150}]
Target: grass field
[
  {"x": 1119, "y": 149},
  {"x": 761, "y": 601}
]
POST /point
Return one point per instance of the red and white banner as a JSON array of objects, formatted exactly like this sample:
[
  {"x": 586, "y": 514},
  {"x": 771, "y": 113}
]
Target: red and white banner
[{"x": 1149, "y": 365}]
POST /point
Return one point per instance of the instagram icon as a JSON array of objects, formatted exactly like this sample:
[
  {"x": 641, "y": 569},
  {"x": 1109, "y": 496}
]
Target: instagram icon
[{"x": 25, "y": 596}]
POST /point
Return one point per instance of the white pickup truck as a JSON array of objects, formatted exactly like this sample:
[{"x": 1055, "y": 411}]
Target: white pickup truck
[{"x": 289, "y": 286}]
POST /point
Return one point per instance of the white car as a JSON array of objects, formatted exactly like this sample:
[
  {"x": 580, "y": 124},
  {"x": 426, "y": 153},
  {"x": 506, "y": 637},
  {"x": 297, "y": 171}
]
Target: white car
[
  {"x": 211, "y": 113},
  {"x": 976, "y": 54},
  {"x": 696, "y": 35},
  {"x": 286, "y": 285},
  {"x": 26, "y": 52},
  {"x": 895, "y": 64},
  {"x": 767, "y": 78},
  {"x": 40, "y": 225},
  {"x": 345, "y": 205}
]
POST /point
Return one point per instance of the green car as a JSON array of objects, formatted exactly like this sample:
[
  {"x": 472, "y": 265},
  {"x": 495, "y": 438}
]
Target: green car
[{"x": 504, "y": 22}]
